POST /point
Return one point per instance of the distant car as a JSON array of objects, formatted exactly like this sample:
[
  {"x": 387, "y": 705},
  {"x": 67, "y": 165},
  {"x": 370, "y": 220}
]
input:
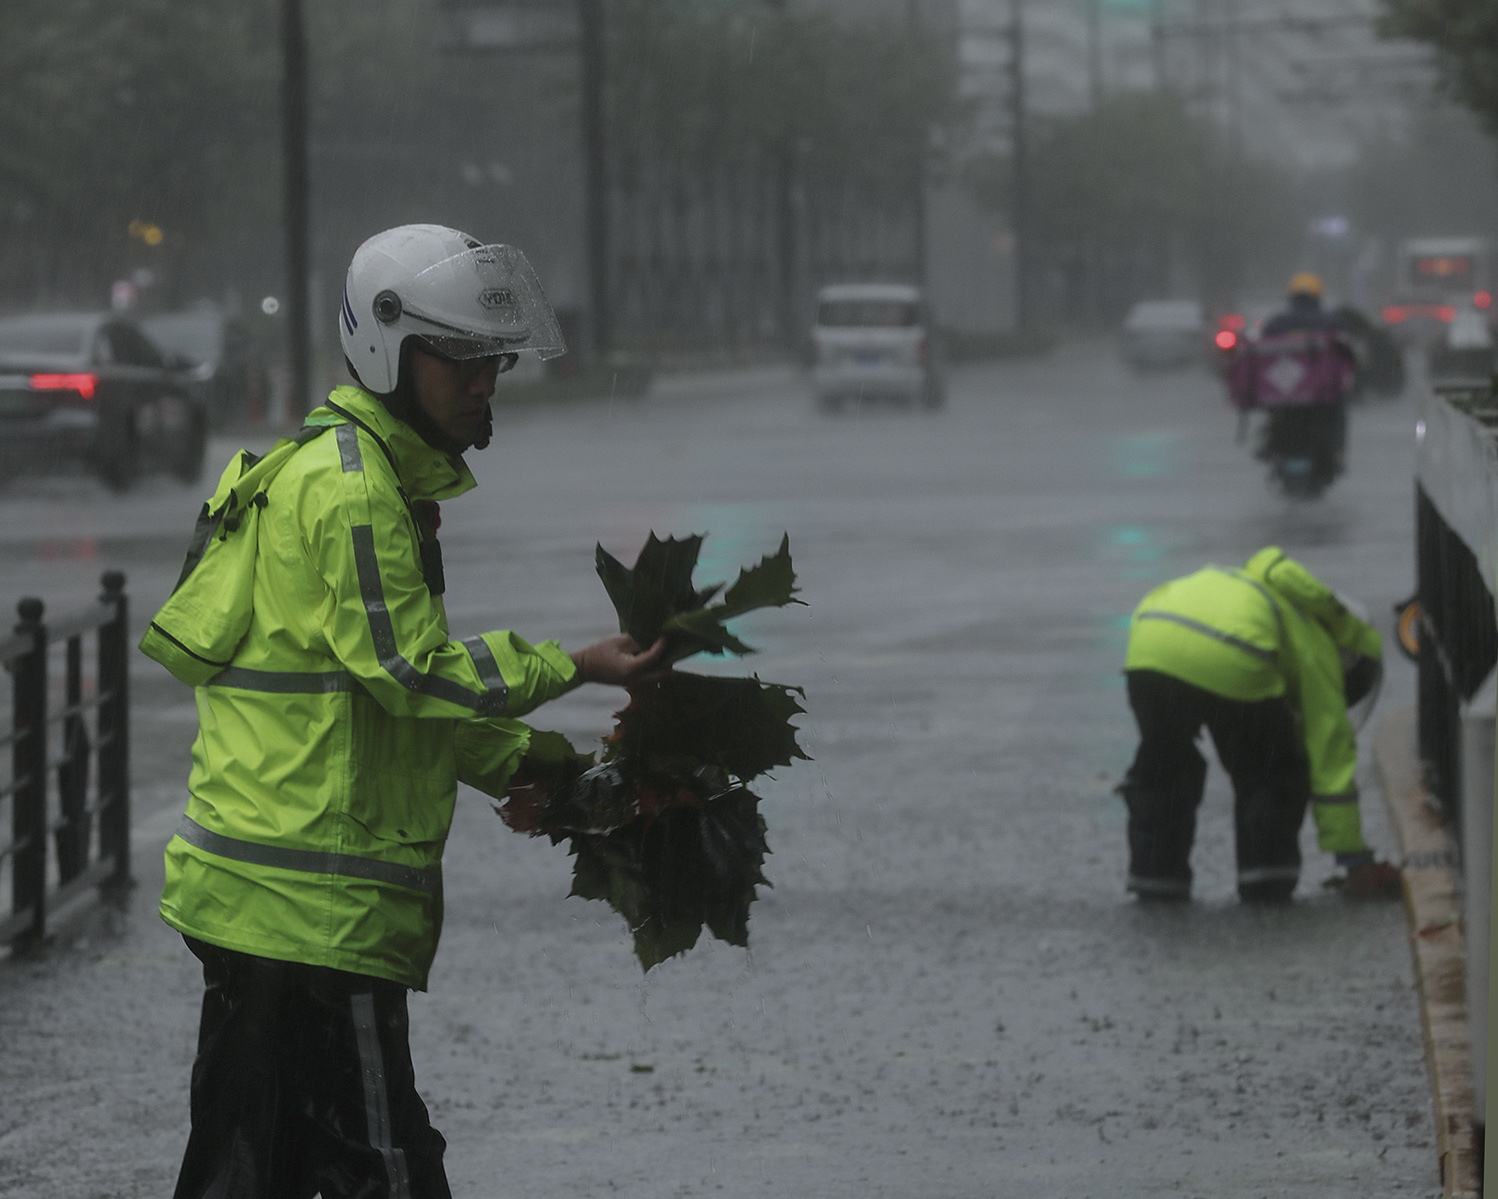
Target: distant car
[
  {"x": 871, "y": 341},
  {"x": 1466, "y": 354},
  {"x": 227, "y": 372},
  {"x": 92, "y": 387},
  {"x": 1163, "y": 333}
]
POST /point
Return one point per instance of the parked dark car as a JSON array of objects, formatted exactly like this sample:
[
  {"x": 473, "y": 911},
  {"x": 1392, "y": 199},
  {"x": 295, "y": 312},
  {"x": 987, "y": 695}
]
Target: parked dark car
[
  {"x": 92, "y": 387},
  {"x": 228, "y": 372}
]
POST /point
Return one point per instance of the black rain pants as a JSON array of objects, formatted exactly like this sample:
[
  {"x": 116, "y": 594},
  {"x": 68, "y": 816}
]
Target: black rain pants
[
  {"x": 303, "y": 1085},
  {"x": 1259, "y": 746}
]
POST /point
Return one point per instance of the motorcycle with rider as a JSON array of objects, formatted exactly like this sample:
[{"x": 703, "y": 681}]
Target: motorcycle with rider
[{"x": 1300, "y": 372}]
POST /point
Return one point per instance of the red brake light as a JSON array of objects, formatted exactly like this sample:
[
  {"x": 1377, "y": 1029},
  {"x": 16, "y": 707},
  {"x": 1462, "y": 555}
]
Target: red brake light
[
  {"x": 1234, "y": 321},
  {"x": 1394, "y": 314},
  {"x": 1226, "y": 339},
  {"x": 83, "y": 384},
  {"x": 1483, "y": 299},
  {"x": 1447, "y": 313}
]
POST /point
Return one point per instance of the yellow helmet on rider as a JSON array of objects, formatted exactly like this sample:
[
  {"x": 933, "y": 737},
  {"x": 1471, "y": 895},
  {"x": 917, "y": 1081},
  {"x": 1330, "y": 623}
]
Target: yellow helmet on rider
[{"x": 1304, "y": 283}]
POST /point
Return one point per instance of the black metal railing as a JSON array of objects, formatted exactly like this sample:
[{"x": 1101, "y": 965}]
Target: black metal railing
[
  {"x": 1458, "y": 645},
  {"x": 85, "y": 816}
]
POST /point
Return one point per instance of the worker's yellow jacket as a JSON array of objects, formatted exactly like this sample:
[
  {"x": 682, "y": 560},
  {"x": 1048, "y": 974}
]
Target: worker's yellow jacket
[
  {"x": 1266, "y": 630},
  {"x": 335, "y": 713}
]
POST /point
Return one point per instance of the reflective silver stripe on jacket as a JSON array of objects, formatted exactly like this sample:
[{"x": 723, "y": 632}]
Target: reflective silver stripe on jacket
[
  {"x": 308, "y": 861},
  {"x": 488, "y": 668},
  {"x": 376, "y": 1097},
  {"x": 381, "y": 628},
  {"x": 1270, "y": 874},
  {"x": 382, "y": 631},
  {"x": 1248, "y": 647},
  {"x": 286, "y": 682},
  {"x": 1279, "y": 617},
  {"x": 348, "y": 449}
]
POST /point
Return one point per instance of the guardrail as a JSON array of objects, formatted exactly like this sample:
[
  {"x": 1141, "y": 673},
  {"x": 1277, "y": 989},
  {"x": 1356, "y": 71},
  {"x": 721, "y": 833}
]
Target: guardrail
[
  {"x": 87, "y": 826},
  {"x": 1456, "y": 564}
]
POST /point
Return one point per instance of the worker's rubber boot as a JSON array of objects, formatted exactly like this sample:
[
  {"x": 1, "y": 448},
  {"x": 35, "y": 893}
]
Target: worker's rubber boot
[
  {"x": 1162, "y": 826},
  {"x": 1267, "y": 821}
]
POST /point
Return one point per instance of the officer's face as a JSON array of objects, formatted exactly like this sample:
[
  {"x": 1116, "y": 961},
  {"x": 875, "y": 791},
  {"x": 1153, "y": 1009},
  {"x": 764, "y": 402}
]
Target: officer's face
[{"x": 453, "y": 394}]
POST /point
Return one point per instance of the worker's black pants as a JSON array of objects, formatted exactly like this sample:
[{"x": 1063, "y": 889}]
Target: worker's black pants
[
  {"x": 1258, "y": 745},
  {"x": 303, "y": 1086}
]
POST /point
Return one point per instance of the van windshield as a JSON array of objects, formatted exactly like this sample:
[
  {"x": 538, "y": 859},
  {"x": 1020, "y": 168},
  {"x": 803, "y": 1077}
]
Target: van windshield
[{"x": 868, "y": 314}]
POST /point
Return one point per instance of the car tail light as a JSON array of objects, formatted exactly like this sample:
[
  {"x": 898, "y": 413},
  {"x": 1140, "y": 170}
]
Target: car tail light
[
  {"x": 1235, "y": 322},
  {"x": 83, "y": 384},
  {"x": 1393, "y": 314},
  {"x": 1226, "y": 339},
  {"x": 1447, "y": 313},
  {"x": 1483, "y": 299}
]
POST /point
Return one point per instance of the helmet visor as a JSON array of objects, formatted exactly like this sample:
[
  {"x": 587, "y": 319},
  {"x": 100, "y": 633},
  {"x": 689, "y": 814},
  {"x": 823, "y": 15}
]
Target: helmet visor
[{"x": 482, "y": 302}]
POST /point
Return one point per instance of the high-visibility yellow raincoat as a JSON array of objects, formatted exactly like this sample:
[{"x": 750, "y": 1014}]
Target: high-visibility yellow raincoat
[
  {"x": 1266, "y": 630},
  {"x": 335, "y": 713}
]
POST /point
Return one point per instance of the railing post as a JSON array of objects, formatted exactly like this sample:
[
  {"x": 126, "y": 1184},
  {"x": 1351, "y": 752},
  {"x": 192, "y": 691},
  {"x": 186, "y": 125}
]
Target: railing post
[
  {"x": 114, "y": 733},
  {"x": 29, "y": 769},
  {"x": 72, "y": 774}
]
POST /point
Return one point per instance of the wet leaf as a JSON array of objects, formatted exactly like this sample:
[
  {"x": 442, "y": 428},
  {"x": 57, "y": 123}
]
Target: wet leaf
[
  {"x": 742, "y": 726},
  {"x": 656, "y": 596},
  {"x": 661, "y": 827}
]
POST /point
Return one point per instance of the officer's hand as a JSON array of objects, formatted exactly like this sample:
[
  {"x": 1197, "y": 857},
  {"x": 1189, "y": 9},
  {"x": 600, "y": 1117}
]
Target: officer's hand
[{"x": 619, "y": 661}]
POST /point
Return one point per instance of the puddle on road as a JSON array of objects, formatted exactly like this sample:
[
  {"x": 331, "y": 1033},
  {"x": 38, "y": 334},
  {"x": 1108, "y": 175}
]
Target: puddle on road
[{"x": 1145, "y": 455}]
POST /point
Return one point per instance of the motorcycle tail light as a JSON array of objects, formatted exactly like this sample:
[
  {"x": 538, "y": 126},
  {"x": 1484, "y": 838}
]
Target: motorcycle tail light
[
  {"x": 83, "y": 384},
  {"x": 1226, "y": 339},
  {"x": 1483, "y": 299}
]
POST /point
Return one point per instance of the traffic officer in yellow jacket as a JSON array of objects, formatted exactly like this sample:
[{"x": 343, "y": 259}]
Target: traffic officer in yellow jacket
[
  {"x": 1269, "y": 659},
  {"x": 336, "y": 716}
]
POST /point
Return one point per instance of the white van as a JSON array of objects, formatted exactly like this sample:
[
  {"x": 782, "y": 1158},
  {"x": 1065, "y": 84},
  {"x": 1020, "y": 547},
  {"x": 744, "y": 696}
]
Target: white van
[{"x": 871, "y": 342}]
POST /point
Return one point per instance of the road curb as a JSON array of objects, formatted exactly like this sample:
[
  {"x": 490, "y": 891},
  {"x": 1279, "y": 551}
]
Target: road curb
[{"x": 1432, "y": 901}]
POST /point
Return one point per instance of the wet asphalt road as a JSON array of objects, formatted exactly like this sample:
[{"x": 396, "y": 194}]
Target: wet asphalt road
[{"x": 949, "y": 995}]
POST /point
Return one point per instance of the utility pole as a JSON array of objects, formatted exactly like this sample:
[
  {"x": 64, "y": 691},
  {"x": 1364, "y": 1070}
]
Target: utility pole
[
  {"x": 591, "y": 29},
  {"x": 516, "y": 27},
  {"x": 918, "y": 168},
  {"x": 785, "y": 229},
  {"x": 1157, "y": 45},
  {"x": 1020, "y": 201},
  {"x": 295, "y": 204},
  {"x": 1094, "y": 53}
]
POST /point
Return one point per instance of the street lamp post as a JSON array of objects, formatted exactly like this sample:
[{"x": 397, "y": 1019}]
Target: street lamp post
[{"x": 295, "y": 203}]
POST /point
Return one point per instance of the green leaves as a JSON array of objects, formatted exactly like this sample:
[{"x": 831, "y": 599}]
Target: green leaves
[
  {"x": 741, "y": 726},
  {"x": 662, "y": 827},
  {"x": 657, "y": 597}
]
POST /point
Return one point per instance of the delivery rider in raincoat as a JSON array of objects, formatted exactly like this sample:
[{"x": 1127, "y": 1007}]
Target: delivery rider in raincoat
[
  {"x": 336, "y": 717},
  {"x": 1269, "y": 659}
]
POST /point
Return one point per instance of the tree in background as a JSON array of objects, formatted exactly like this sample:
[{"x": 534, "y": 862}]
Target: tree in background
[
  {"x": 720, "y": 114},
  {"x": 157, "y": 112},
  {"x": 1465, "y": 34},
  {"x": 1130, "y": 196}
]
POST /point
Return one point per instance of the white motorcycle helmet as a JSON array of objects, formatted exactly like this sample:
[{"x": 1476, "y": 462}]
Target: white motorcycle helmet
[{"x": 462, "y": 298}]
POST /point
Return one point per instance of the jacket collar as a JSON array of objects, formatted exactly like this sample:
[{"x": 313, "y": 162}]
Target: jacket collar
[{"x": 425, "y": 473}]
